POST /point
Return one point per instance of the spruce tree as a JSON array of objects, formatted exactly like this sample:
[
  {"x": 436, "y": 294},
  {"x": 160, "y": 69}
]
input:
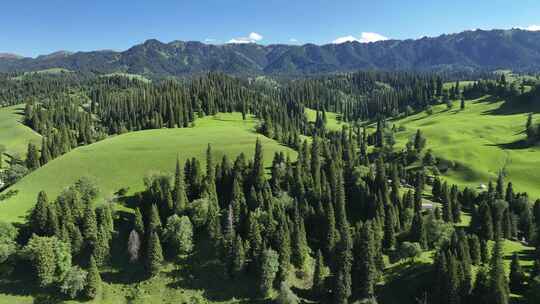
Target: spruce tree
[
  {"x": 418, "y": 231},
  {"x": 93, "y": 279},
  {"x": 39, "y": 215},
  {"x": 284, "y": 243},
  {"x": 497, "y": 279},
  {"x": 318, "y": 287},
  {"x": 90, "y": 229},
  {"x": 138, "y": 224},
  {"x": 343, "y": 280},
  {"x": 366, "y": 270},
  {"x": 154, "y": 255},
  {"x": 239, "y": 257},
  {"x": 258, "y": 166},
  {"x": 300, "y": 249},
  {"x": 269, "y": 268}
]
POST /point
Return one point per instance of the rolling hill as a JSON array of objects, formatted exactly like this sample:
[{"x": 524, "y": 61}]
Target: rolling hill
[
  {"x": 124, "y": 160},
  {"x": 486, "y": 137},
  {"x": 478, "y": 50}
]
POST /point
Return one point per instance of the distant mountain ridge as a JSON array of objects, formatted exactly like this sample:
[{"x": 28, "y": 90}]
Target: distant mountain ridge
[{"x": 514, "y": 49}]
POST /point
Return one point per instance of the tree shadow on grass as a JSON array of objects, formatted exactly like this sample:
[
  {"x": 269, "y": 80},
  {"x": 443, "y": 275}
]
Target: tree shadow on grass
[
  {"x": 202, "y": 271},
  {"x": 121, "y": 271},
  {"x": 512, "y": 106},
  {"x": 405, "y": 283},
  {"x": 520, "y": 144}
]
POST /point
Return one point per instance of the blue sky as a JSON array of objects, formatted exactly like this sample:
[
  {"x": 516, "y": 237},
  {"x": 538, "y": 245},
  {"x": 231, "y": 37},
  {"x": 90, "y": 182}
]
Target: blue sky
[{"x": 33, "y": 27}]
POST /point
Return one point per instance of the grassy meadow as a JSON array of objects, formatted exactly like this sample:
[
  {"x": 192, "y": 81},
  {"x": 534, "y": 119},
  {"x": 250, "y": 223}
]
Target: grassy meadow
[
  {"x": 333, "y": 122},
  {"x": 124, "y": 160},
  {"x": 480, "y": 141},
  {"x": 14, "y": 136}
]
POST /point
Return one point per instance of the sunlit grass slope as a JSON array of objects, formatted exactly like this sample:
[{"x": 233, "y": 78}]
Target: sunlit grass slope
[
  {"x": 333, "y": 122},
  {"x": 124, "y": 160},
  {"x": 481, "y": 140},
  {"x": 13, "y": 134}
]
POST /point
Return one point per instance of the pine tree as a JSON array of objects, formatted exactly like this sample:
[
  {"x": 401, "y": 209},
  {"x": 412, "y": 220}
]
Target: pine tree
[
  {"x": 284, "y": 242},
  {"x": 481, "y": 292},
  {"x": 32, "y": 157},
  {"x": 343, "y": 281},
  {"x": 318, "y": 287},
  {"x": 93, "y": 279},
  {"x": 331, "y": 233},
  {"x": 138, "y": 224},
  {"x": 475, "y": 251},
  {"x": 154, "y": 255},
  {"x": 90, "y": 229},
  {"x": 299, "y": 241},
  {"x": 498, "y": 283},
  {"x": 418, "y": 232},
  {"x": 258, "y": 166},
  {"x": 365, "y": 270},
  {"x": 389, "y": 241},
  {"x": 154, "y": 221},
  {"x": 239, "y": 257},
  {"x": 39, "y": 215},
  {"x": 268, "y": 271}
]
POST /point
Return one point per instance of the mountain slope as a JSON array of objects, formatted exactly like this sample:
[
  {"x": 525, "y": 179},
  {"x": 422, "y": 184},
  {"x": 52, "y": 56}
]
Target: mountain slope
[
  {"x": 514, "y": 49},
  {"x": 124, "y": 160}
]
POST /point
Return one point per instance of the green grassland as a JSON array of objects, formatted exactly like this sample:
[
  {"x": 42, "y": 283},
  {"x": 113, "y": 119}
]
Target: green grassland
[
  {"x": 124, "y": 160},
  {"x": 333, "y": 121},
  {"x": 129, "y": 76},
  {"x": 15, "y": 136},
  {"x": 480, "y": 141}
]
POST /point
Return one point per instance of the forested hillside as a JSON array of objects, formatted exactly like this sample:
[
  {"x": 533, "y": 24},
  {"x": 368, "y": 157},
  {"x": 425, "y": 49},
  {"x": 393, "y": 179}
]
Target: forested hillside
[{"x": 361, "y": 202}]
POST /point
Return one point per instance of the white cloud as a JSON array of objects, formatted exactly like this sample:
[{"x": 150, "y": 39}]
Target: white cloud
[
  {"x": 344, "y": 39},
  {"x": 293, "y": 40},
  {"x": 251, "y": 38},
  {"x": 210, "y": 40},
  {"x": 533, "y": 28},
  {"x": 365, "y": 37}
]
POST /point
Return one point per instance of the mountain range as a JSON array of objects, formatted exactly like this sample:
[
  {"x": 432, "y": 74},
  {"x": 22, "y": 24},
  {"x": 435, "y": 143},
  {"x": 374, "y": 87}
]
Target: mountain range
[{"x": 514, "y": 49}]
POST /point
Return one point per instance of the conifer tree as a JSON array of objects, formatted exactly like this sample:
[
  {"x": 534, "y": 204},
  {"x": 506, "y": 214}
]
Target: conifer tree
[
  {"x": 93, "y": 279},
  {"x": 318, "y": 287},
  {"x": 498, "y": 283},
  {"x": 343, "y": 280},
  {"x": 154, "y": 221},
  {"x": 268, "y": 271},
  {"x": 154, "y": 254},
  {"x": 90, "y": 229},
  {"x": 284, "y": 242},
  {"x": 39, "y": 215},
  {"x": 32, "y": 157},
  {"x": 138, "y": 224},
  {"x": 365, "y": 270},
  {"x": 239, "y": 257},
  {"x": 481, "y": 291},
  {"x": 474, "y": 246},
  {"x": 299, "y": 241},
  {"x": 418, "y": 231},
  {"x": 258, "y": 166},
  {"x": 331, "y": 233}
]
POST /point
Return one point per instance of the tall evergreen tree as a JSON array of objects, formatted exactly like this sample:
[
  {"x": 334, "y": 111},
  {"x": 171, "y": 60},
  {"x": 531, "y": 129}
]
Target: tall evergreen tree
[
  {"x": 498, "y": 283},
  {"x": 154, "y": 255},
  {"x": 93, "y": 279}
]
